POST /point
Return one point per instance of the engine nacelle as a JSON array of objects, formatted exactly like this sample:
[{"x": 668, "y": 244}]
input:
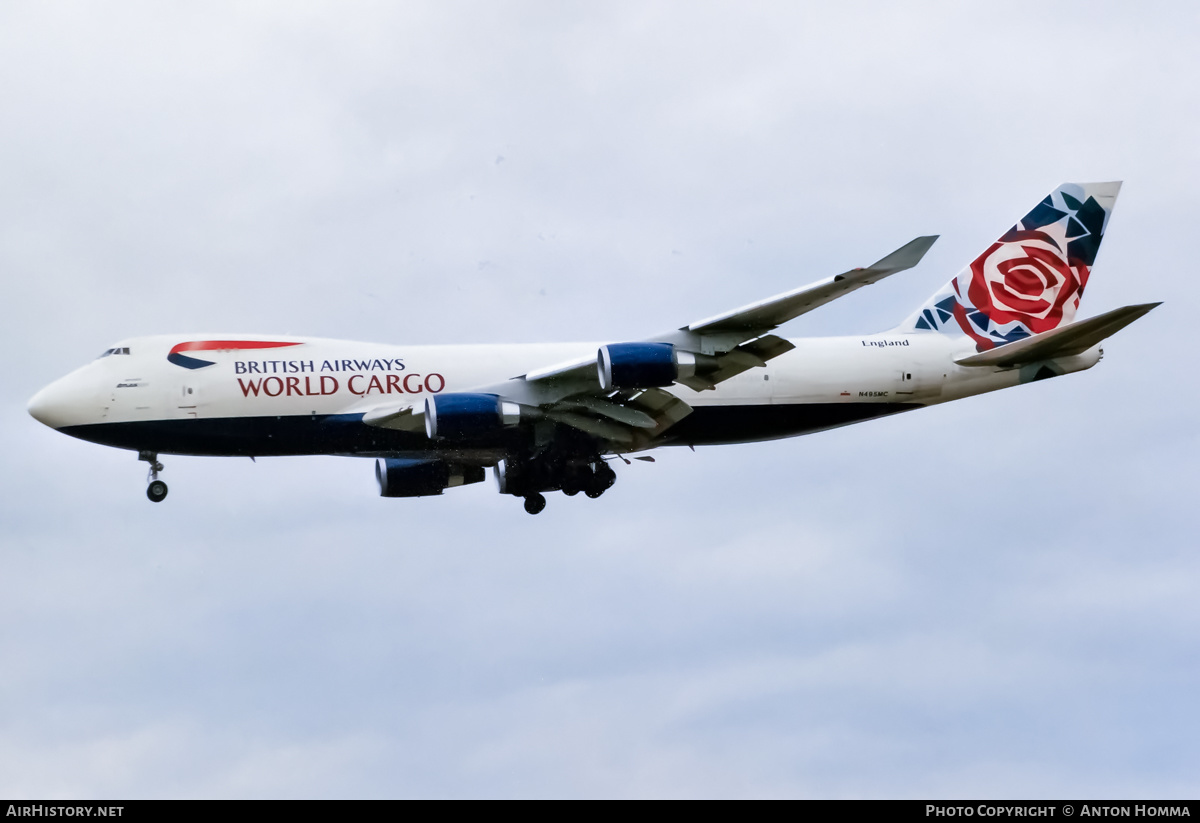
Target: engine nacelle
[
  {"x": 418, "y": 478},
  {"x": 524, "y": 477},
  {"x": 461, "y": 415},
  {"x": 642, "y": 365}
]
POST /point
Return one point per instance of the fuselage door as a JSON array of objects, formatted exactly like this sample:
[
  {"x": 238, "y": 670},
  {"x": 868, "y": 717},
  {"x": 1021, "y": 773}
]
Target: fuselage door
[
  {"x": 917, "y": 381},
  {"x": 188, "y": 400}
]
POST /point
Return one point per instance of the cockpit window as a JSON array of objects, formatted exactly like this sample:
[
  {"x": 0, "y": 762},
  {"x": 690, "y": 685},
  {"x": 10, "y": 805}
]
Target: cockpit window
[{"x": 117, "y": 350}]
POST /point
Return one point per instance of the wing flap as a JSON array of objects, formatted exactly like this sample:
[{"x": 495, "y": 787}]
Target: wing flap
[
  {"x": 596, "y": 427},
  {"x": 631, "y": 420},
  {"x": 754, "y": 354},
  {"x": 614, "y": 411},
  {"x": 1065, "y": 341},
  {"x": 664, "y": 407}
]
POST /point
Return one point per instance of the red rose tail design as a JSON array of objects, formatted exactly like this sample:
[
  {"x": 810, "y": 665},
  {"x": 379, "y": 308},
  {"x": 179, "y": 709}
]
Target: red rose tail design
[{"x": 1030, "y": 280}]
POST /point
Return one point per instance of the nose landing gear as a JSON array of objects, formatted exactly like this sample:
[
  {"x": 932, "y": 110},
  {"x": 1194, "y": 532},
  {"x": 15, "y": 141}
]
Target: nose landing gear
[{"x": 156, "y": 490}]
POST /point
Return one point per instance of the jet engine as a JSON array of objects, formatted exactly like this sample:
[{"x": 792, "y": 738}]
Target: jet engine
[
  {"x": 460, "y": 415},
  {"x": 418, "y": 478},
  {"x": 642, "y": 365}
]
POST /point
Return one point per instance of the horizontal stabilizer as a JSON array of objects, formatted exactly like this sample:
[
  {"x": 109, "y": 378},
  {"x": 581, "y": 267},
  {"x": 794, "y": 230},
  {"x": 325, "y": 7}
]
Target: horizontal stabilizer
[{"x": 1064, "y": 341}]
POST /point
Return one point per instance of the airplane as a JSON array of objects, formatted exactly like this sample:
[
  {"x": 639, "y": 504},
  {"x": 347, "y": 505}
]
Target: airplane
[{"x": 552, "y": 417}]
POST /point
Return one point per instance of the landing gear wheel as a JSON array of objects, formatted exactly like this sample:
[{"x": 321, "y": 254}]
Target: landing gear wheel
[
  {"x": 534, "y": 503},
  {"x": 605, "y": 476},
  {"x": 157, "y": 491},
  {"x": 600, "y": 481}
]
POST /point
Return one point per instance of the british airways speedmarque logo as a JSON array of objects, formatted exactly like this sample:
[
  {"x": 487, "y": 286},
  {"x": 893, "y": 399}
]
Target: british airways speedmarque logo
[{"x": 186, "y": 362}]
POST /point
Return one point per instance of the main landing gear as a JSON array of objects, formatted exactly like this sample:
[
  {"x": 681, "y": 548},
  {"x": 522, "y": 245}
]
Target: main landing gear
[
  {"x": 530, "y": 478},
  {"x": 156, "y": 490}
]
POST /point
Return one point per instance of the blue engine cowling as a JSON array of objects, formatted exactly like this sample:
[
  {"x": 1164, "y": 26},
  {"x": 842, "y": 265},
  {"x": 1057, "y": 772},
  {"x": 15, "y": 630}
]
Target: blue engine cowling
[
  {"x": 642, "y": 365},
  {"x": 418, "y": 478},
  {"x": 462, "y": 415}
]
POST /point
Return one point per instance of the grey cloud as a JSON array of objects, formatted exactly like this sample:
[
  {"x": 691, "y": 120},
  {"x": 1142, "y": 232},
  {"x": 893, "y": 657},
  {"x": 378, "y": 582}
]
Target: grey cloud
[{"x": 988, "y": 598}]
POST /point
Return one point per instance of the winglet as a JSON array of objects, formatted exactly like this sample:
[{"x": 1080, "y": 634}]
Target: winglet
[{"x": 906, "y": 256}]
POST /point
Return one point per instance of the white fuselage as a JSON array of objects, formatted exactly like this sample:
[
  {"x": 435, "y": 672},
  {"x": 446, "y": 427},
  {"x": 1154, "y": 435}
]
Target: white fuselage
[{"x": 158, "y": 405}]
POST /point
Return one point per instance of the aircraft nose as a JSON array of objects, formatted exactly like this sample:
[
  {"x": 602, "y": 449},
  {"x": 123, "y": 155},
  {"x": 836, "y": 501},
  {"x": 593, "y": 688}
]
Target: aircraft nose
[{"x": 51, "y": 405}]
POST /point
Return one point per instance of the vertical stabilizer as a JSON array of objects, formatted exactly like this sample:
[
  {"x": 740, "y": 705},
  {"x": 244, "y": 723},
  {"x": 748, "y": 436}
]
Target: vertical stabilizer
[{"x": 1032, "y": 278}]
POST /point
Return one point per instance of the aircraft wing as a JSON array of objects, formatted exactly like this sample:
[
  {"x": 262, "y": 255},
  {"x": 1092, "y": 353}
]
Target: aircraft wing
[
  {"x": 718, "y": 348},
  {"x": 724, "y": 331},
  {"x": 740, "y": 338}
]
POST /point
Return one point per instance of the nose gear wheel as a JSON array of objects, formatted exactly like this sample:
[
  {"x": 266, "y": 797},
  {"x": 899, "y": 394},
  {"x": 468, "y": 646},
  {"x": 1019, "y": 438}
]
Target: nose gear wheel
[{"x": 157, "y": 489}]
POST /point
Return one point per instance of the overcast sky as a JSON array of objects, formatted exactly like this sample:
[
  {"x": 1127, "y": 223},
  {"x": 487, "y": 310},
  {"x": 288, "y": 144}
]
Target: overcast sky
[{"x": 996, "y": 597}]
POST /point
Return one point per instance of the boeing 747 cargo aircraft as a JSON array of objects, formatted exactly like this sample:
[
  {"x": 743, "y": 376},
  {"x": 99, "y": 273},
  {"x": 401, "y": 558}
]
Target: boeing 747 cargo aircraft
[{"x": 553, "y": 417}]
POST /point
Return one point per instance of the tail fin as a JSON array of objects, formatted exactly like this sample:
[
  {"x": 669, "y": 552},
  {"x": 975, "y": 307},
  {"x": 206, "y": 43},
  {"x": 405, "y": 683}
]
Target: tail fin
[{"x": 1031, "y": 279}]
